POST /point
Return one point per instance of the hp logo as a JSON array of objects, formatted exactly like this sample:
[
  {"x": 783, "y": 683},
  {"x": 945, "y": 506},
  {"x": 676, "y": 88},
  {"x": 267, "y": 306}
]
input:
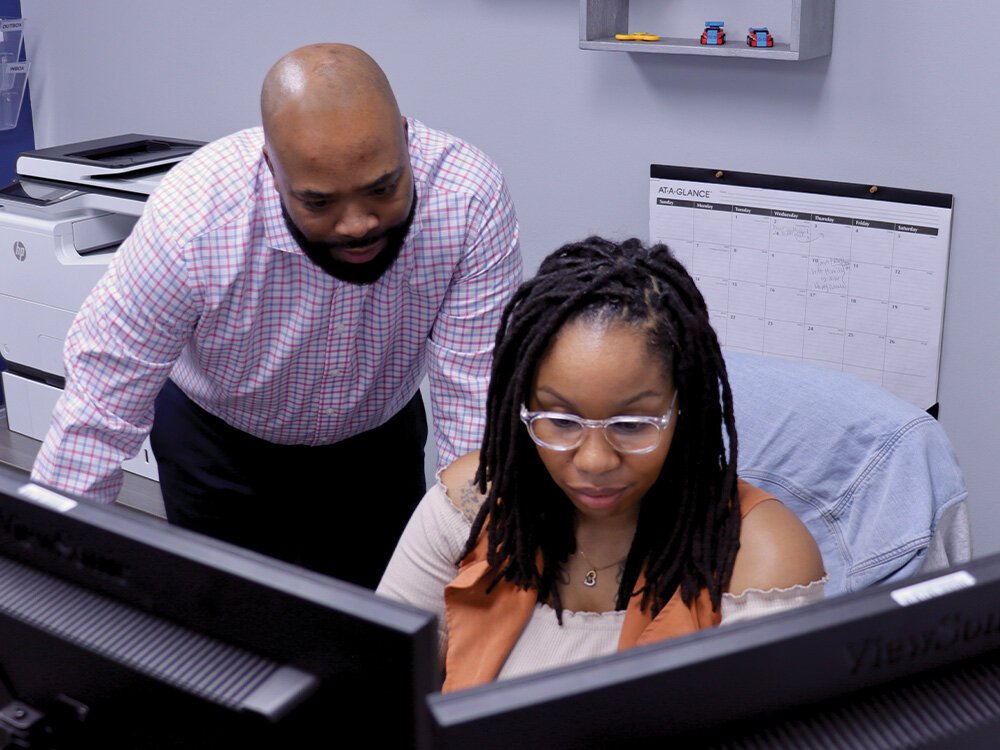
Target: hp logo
[{"x": 20, "y": 252}]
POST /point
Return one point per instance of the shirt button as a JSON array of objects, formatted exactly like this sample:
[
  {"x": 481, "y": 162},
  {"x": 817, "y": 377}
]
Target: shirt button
[
  {"x": 330, "y": 412},
  {"x": 336, "y": 372}
]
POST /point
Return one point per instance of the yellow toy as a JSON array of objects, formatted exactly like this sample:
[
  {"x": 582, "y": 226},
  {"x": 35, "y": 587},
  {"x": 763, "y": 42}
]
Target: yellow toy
[{"x": 637, "y": 36}]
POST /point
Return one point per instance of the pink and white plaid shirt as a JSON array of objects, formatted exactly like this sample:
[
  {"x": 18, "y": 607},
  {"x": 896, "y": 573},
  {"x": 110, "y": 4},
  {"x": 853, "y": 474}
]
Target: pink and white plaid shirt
[{"x": 211, "y": 290}]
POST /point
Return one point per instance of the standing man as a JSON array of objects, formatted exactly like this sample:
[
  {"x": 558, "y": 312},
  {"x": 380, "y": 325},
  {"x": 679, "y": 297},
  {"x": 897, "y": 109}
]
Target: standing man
[{"x": 280, "y": 300}]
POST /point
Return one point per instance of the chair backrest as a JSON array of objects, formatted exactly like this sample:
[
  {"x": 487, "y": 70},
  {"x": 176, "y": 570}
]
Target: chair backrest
[{"x": 870, "y": 475}]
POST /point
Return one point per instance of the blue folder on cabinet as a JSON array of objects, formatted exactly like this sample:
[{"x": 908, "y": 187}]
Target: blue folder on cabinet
[{"x": 16, "y": 127}]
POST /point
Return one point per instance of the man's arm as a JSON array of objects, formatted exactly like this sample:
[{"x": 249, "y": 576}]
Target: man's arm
[
  {"x": 461, "y": 344},
  {"x": 119, "y": 351}
]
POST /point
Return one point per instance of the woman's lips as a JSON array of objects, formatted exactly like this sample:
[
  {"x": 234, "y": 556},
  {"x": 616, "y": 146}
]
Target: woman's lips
[{"x": 598, "y": 497}]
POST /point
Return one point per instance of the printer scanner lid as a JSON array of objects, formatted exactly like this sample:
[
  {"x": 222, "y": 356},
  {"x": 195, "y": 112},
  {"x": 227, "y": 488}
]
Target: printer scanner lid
[{"x": 133, "y": 162}]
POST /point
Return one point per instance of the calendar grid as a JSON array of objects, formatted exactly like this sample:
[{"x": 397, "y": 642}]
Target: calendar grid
[{"x": 840, "y": 280}]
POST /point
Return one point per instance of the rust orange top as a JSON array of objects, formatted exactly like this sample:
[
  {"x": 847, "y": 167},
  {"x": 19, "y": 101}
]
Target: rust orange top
[{"x": 483, "y": 628}]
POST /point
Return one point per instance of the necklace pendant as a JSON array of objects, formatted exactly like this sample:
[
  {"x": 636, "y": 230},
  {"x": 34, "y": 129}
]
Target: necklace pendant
[{"x": 590, "y": 580}]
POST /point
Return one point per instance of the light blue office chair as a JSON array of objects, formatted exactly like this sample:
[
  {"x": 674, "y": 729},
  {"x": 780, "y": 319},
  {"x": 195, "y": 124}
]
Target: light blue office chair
[{"x": 874, "y": 478}]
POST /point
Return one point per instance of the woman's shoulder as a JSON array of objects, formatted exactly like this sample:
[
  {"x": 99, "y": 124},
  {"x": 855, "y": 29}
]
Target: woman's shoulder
[
  {"x": 459, "y": 482},
  {"x": 776, "y": 550}
]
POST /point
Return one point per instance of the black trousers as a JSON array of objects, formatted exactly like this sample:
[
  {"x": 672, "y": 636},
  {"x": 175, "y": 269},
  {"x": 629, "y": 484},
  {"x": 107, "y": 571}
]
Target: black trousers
[{"x": 338, "y": 509}]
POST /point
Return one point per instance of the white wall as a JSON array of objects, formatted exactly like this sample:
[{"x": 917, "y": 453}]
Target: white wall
[{"x": 907, "y": 99}]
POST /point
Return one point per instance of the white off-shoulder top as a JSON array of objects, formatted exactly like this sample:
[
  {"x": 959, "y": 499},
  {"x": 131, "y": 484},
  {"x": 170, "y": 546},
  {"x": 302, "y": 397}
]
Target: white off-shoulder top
[{"x": 425, "y": 561}]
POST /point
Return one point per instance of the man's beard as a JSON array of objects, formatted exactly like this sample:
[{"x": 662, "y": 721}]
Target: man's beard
[{"x": 355, "y": 273}]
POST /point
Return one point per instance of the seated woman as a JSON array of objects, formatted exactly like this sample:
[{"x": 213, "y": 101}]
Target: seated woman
[{"x": 603, "y": 510}]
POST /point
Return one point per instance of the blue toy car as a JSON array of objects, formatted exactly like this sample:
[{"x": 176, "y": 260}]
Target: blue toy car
[
  {"x": 759, "y": 36},
  {"x": 713, "y": 33}
]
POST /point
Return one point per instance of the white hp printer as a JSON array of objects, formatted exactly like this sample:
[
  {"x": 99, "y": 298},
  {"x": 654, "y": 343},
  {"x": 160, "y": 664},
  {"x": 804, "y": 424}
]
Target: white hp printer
[{"x": 60, "y": 223}]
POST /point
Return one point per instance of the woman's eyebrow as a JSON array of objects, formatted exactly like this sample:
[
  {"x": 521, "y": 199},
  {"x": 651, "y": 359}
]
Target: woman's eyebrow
[{"x": 624, "y": 404}]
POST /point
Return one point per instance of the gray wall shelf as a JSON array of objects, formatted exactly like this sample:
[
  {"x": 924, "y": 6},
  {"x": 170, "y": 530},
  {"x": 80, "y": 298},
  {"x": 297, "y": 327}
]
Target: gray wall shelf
[{"x": 811, "y": 24}]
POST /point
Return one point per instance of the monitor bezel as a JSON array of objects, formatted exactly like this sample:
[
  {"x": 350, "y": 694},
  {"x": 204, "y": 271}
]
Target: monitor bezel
[
  {"x": 732, "y": 673},
  {"x": 219, "y": 589}
]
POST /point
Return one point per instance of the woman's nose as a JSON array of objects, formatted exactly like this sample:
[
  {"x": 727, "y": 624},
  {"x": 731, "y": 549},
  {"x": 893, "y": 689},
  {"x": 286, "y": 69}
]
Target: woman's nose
[{"x": 595, "y": 455}]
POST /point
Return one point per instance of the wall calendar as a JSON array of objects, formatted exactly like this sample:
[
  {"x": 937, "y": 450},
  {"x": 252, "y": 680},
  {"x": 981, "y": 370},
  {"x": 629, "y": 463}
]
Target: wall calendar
[{"x": 843, "y": 275}]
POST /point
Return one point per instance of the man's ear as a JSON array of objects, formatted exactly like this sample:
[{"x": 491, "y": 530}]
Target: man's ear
[{"x": 267, "y": 160}]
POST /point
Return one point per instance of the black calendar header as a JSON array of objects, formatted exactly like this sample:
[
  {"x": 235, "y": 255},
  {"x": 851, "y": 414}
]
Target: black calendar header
[{"x": 801, "y": 185}]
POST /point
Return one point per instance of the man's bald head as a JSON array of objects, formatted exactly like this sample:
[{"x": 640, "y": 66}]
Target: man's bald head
[
  {"x": 324, "y": 78},
  {"x": 337, "y": 149}
]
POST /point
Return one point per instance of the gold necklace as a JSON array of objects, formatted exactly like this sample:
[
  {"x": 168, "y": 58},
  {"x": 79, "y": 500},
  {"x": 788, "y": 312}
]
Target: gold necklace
[{"x": 590, "y": 579}]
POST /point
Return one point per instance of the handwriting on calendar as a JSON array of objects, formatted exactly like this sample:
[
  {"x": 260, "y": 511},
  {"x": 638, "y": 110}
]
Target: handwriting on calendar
[{"x": 843, "y": 282}]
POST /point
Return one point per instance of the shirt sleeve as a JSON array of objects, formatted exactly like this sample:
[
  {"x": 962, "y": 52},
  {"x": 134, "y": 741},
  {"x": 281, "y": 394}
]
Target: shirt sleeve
[
  {"x": 754, "y": 603},
  {"x": 460, "y": 348},
  {"x": 118, "y": 353},
  {"x": 426, "y": 557}
]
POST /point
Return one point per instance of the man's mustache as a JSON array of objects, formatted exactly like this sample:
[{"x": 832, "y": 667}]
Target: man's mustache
[{"x": 370, "y": 239}]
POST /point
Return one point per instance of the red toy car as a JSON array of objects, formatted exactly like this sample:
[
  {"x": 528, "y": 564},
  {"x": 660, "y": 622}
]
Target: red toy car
[
  {"x": 713, "y": 33},
  {"x": 759, "y": 36}
]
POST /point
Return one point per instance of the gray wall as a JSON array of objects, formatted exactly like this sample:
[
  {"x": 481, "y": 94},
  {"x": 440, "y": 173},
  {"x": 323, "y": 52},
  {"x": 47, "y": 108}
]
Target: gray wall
[{"x": 908, "y": 99}]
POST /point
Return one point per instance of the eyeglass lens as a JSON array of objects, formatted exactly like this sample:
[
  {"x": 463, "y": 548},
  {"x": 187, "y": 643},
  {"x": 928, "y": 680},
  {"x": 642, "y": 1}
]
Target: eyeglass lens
[{"x": 625, "y": 435}]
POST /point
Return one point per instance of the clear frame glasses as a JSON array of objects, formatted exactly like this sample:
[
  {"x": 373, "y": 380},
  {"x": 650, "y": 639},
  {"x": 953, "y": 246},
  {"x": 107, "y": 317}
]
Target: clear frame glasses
[{"x": 627, "y": 434}]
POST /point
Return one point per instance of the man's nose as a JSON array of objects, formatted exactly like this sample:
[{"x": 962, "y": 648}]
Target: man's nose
[{"x": 355, "y": 221}]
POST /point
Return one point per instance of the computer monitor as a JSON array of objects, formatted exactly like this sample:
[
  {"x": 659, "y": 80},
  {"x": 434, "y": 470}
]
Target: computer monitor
[
  {"x": 119, "y": 631},
  {"x": 910, "y": 665}
]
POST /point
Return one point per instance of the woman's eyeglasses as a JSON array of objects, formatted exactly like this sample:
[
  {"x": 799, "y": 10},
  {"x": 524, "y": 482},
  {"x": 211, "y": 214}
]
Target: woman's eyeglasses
[{"x": 564, "y": 432}]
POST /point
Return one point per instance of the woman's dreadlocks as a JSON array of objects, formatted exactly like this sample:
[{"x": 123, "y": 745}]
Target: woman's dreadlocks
[{"x": 689, "y": 522}]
